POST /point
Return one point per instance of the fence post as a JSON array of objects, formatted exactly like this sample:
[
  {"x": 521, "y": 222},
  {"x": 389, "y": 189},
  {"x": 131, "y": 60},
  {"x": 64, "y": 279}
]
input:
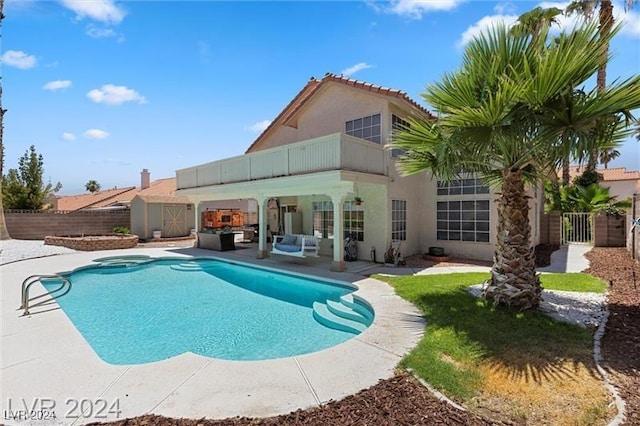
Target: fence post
[{"x": 555, "y": 228}]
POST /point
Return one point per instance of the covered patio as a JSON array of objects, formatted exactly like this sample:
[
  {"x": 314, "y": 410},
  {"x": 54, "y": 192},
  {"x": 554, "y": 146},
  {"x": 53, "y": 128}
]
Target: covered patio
[{"x": 336, "y": 186}]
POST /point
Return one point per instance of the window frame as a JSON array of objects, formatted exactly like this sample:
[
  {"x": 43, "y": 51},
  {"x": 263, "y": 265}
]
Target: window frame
[
  {"x": 353, "y": 220},
  {"x": 365, "y": 128},
  {"x": 322, "y": 212},
  {"x": 464, "y": 220},
  {"x": 398, "y": 220},
  {"x": 398, "y": 123}
]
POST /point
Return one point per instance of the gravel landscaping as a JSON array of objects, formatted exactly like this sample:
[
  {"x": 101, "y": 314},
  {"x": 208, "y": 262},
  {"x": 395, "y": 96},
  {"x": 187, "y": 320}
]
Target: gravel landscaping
[{"x": 15, "y": 250}]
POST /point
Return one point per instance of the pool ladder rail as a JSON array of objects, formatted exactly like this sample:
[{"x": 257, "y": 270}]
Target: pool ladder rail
[{"x": 27, "y": 302}]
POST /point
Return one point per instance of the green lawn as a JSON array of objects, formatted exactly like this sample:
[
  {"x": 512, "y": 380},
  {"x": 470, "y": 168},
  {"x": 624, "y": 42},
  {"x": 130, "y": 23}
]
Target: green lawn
[
  {"x": 463, "y": 332},
  {"x": 573, "y": 282}
]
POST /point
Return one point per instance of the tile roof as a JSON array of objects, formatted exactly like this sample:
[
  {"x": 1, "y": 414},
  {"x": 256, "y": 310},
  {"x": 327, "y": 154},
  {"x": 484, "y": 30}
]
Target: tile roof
[
  {"x": 608, "y": 175},
  {"x": 160, "y": 187},
  {"x": 314, "y": 85},
  {"x": 97, "y": 199},
  {"x": 166, "y": 199}
]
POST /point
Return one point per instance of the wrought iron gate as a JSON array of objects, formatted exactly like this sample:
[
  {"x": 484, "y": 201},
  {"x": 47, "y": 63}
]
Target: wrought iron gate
[{"x": 577, "y": 228}]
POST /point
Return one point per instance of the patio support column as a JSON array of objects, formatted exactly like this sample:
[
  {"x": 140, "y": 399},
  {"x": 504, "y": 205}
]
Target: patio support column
[
  {"x": 262, "y": 227},
  {"x": 198, "y": 222},
  {"x": 338, "y": 241}
]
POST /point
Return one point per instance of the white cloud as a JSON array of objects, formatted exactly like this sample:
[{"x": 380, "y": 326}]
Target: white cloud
[
  {"x": 18, "y": 59},
  {"x": 631, "y": 19},
  {"x": 505, "y": 8},
  {"x": 99, "y": 10},
  {"x": 632, "y": 24},
  {"x": 115, "y": 95},
  {"x": 414, "y": 9},
  {"x": 354, "y": 69},
  {"x": 96, "y": 32},
  {"x": 483, "y": 25},
  {"x": 260, "y": 126},
  {"x": 68, "y": 136},
  {"x": 57, "y": 85},
  {"x": 95, "y": 134}
]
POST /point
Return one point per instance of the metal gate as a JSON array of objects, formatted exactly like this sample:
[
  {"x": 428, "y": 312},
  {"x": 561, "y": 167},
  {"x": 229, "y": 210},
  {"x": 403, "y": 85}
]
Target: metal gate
[
  {"x": 174, "y": 220},
  {"x": 577, "y": 228}
]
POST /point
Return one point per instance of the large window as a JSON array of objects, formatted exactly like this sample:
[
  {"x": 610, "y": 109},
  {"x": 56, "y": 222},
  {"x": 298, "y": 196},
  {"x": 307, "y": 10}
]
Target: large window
[
  {"x": 366, "y": 128},
  {"x": 463, "y": 220},
  {"x": 398, "y": 123},
  {"x": 323, "y": 219},
  {"x": 463, "y": 187},
  {"x": 353, "y": 221},
  {"x": 398, "y": 220}
]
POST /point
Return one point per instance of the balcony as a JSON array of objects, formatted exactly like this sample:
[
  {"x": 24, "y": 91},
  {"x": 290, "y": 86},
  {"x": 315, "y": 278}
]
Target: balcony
[{"x": 332, "y": 152}]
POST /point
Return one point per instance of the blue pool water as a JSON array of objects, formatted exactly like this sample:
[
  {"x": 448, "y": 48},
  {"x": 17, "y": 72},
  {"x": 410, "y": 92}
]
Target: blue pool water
[{"x": 134, "y": 313}]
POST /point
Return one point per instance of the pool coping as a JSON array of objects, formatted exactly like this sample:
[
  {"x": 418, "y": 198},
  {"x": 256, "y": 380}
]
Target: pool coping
[{"x": 47, "y": 365}]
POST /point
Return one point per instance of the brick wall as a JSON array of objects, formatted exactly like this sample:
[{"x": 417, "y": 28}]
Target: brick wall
[
  {"x": 37, "y": 224},
  {"x": 550, "y": 228},
  {"x": 609, "y": 231},
  {"x": 94, "y": 243}
]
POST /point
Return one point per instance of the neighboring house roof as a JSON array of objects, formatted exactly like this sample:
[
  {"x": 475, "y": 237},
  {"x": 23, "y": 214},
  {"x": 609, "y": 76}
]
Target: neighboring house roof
[
  {"x": 163, "y": 199},
  {"x": 160, "y": 187},
  {"x": 165, "y": 186},
  {"x": 91, "y": 200},
  {"x": 314, "y": 86},
  {"x": 608, "y": 175}
]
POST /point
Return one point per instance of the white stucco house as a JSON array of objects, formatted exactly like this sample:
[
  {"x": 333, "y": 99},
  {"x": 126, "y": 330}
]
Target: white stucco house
[
  {"x": 324, "y": 158},
  {"x": 622, "y": 183}
]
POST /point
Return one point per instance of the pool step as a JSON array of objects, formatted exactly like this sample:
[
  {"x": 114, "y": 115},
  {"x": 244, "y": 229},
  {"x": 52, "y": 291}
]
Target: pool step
[
  {"x": 187, "y": 266},
  {"x": 324, "y": 316},
  {"x": 358, "y": 305},
  {"x": 347, "y": 312}
]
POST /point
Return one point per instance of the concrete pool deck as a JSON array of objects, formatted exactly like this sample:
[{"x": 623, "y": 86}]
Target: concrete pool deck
[{"x": 47, "y": 366}]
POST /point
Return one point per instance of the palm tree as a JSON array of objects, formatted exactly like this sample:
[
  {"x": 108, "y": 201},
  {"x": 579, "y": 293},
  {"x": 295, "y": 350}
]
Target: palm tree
[
  {"x": 92, "y": 186},
  {"x": 536, "y": 20},
  {"x": 593, "y": 199},
  {"x": 4, "y": 233},
  {"x": 608, "y": 155},
  {"x": 499, "y": 118},
  {"x": 586, "y": 9}
]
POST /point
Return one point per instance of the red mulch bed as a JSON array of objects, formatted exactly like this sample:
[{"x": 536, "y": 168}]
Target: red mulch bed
[{"x": 621, "y": 342}]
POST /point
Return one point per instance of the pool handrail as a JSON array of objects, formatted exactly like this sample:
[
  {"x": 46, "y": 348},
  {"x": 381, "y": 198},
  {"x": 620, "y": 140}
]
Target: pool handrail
[{"x": 29, "y": 281}]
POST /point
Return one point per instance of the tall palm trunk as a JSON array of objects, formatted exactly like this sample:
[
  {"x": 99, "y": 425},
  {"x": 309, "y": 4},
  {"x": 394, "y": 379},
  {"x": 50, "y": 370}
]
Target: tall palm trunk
[
  {"x": 605, "y": 17},
  {"x": 514, "y": 281},
  {"x": 4, "y": 233},
  {"x": 566, "y": 172}
]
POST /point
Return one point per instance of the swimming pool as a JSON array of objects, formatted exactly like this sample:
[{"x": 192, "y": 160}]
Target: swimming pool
[{"x": 136, "y": 310}]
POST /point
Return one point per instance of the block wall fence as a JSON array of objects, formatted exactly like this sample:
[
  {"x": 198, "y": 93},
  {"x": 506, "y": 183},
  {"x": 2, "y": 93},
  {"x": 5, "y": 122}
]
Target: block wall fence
[{"x": 37, "y": 224}]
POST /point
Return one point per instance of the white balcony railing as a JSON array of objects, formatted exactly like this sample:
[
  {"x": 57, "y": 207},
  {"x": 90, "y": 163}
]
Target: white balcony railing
[{"x": 332, "y": 152}]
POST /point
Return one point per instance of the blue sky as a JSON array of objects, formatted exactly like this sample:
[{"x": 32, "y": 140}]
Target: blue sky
[{"x": 104, "y": 89}]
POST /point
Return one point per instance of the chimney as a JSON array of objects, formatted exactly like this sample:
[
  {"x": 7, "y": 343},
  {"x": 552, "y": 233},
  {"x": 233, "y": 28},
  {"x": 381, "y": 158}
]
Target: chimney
[{"x": 145, "y": 178}]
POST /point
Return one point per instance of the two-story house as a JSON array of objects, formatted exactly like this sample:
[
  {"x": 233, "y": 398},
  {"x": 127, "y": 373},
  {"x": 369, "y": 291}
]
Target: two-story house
[{"x": 324, "y": 158}]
